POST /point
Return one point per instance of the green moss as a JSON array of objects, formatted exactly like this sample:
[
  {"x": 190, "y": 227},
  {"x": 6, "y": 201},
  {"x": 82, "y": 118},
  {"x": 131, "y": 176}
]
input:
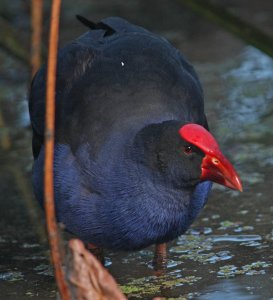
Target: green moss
[
  {"x": 180, "y": 281},
  {"x": 153, "y": 285},
  {"x": 228, "y": 224},
  {"x": 255, "y": 268},
  {"x": 131, "y": 289}
]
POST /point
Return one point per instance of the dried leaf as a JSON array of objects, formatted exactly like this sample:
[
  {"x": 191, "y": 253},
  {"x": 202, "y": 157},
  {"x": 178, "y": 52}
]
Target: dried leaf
[{"x": 87, "y": 278}]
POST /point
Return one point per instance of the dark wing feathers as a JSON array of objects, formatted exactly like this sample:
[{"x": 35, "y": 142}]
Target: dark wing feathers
[
  {"x": 106, "y": 45},
  {"x": 73, "y": 61}
]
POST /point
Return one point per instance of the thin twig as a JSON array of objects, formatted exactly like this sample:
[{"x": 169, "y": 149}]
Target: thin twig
[
  {"x": 5, "y": 142},
  {"x": 36, "y": 38},
  {"x": 52, "y": 228},
  {"x": 19, "y": 177}
]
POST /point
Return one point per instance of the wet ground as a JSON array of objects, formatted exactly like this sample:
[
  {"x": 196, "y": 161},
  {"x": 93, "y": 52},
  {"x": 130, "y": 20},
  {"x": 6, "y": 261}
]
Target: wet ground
[{"x": 227, "y": 253}]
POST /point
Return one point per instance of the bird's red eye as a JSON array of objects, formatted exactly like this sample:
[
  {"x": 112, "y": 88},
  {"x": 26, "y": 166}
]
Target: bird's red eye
[{"x": 188, "y": 149}]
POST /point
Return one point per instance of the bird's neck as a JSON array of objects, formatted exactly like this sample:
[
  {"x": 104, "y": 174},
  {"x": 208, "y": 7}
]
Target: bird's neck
[
  {"x": 133, "y": 165},
  {"x": 148, "y": 150}
]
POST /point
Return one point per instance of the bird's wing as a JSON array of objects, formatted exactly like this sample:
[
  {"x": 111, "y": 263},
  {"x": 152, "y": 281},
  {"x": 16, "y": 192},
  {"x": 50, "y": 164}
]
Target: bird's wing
[
  {"x": 73, "y": 61},
  {"x": 117, "y": 75}
]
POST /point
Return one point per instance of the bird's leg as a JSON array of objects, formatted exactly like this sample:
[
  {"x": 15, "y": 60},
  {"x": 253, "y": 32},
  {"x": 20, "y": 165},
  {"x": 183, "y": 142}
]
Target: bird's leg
[
  {"x": 96, "y": 251},
  {"x": 160, "y": 257}
]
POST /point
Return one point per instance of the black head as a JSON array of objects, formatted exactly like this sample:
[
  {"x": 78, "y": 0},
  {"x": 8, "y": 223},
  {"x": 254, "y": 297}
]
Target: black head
[
  {"x": 174, "y": 160},
  {"x": 183, "y": 154}
]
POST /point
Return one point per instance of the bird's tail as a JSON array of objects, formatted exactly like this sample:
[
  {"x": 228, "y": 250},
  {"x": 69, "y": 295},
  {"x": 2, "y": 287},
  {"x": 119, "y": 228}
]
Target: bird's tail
[{"x": 93, "y": 26}]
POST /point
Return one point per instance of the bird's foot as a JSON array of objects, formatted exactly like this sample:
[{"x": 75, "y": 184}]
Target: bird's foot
[{"x": 160, "y": 258}]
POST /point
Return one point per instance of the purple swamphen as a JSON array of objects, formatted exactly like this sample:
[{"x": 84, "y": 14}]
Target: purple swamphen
[{"x": 133, "y": 158}]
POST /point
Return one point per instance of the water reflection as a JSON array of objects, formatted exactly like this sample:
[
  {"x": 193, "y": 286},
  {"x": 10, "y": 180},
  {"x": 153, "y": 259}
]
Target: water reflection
[
  {"x": 249, "y": 94},
  {"x": 228, "y": 290}
]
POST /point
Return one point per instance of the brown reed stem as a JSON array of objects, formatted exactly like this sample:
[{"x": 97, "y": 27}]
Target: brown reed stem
[
  {"x": 36, "y": 37},
  {"x": 52, "y": 228}
]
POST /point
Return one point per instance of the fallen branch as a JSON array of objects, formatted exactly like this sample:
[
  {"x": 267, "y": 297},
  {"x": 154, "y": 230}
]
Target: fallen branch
[{"x": 52, "y": 228}]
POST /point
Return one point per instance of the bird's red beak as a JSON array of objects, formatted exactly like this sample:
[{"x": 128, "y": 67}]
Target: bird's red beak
[{"x": 215, "y": 166}]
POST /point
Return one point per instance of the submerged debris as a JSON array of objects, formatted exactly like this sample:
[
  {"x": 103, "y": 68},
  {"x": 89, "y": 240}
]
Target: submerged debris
[{"x": 11, "y": 276}]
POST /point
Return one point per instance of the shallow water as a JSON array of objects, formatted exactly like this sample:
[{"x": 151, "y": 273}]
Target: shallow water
[{"x": 228, "y": 251}]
